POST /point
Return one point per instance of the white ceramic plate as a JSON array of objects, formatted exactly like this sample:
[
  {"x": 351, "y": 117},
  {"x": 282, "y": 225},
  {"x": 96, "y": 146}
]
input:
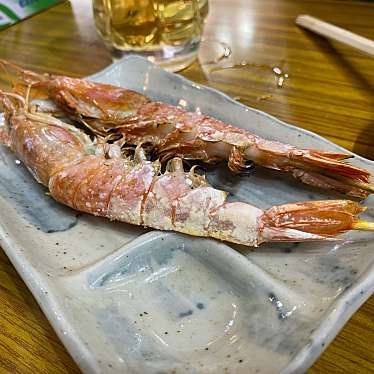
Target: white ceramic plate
[{"x": 126, "y": 300}]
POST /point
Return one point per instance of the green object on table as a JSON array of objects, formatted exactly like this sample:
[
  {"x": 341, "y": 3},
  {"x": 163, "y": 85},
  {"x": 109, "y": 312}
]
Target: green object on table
[{"x": 12, "y": 11}]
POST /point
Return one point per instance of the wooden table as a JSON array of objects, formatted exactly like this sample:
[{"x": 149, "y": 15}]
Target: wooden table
[{"x": 329, "y": 91}]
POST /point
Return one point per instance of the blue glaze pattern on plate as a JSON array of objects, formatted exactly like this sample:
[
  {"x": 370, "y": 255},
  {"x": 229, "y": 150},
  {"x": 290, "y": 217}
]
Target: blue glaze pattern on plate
[{"x": 18, "y": 186}]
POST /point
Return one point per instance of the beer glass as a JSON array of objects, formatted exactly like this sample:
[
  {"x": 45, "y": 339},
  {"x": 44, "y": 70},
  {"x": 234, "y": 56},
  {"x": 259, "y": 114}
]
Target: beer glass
[{"x": 167, "y": 32}]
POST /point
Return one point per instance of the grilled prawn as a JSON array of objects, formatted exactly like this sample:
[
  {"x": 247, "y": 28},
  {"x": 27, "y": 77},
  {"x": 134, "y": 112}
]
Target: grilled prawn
[
  {"x": 94, "y": 177},
  {"x": 175, "y": 132}
]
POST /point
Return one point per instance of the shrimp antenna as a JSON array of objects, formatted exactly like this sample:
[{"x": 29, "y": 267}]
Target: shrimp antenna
[
  {"x": 5, "y": 63},
  {"x": 3, "y": 66},
  {"x": 26, "y": 76},
  {"x": 13, "y": 95},
  {"x": 27, "y": 97}
]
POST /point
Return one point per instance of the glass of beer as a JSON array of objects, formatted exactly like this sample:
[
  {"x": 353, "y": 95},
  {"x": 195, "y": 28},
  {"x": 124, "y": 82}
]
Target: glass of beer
[{"x": 167, "y": 32}]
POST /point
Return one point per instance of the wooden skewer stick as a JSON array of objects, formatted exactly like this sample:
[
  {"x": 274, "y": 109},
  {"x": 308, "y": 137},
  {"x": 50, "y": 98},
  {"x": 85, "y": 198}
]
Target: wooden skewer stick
[
  {"x": 336, "y": 33},
  {"x": 363, "y": 225}
]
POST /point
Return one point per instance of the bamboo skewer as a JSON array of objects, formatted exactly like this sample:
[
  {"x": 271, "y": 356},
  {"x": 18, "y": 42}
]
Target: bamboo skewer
[
  {"x": 336, "y": 33},
  {"x": 363, "y": 226}
]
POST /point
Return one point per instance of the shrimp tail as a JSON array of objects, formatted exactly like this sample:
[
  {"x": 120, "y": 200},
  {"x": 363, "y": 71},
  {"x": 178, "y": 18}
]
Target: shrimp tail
[
  {"x": 341, "y": 176},
  {"x": 316, "y": 168},
  {"x": 312, "y": 220}
]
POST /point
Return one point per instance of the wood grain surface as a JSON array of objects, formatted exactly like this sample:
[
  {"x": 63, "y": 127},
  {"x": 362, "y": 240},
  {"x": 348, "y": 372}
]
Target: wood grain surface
[{"x": 329, "y": 91}]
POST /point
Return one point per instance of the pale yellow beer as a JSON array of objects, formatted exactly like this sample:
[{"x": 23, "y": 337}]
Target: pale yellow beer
[{"x": 165, "y": 29}]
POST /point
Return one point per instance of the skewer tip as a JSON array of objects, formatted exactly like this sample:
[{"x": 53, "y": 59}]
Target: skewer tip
[
  {"x": 369, "y": 187},
  {"x": 363, "y": 225}
]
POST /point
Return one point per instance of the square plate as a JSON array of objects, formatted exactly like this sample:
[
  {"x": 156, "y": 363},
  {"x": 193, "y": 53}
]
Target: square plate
[{"x": 123, "y": 299}]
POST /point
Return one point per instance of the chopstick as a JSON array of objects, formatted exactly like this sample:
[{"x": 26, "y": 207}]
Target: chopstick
[{"x": 336, "y": 33}]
